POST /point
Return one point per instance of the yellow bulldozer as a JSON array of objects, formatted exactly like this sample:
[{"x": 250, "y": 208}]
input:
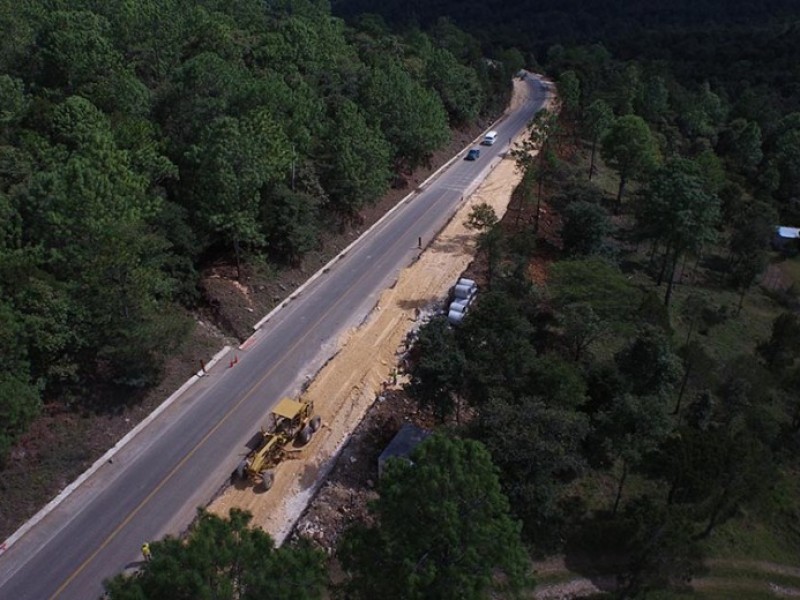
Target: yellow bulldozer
[{"x": 291, "y": 422}]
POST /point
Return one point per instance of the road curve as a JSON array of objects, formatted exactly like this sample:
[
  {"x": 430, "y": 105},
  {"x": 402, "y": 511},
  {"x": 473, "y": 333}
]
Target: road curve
[{"x": 183, "y": 457}]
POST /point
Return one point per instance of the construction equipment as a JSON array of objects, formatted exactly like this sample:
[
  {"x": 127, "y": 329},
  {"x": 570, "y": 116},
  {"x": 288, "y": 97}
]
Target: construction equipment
[{"x": 291, "y": 421}]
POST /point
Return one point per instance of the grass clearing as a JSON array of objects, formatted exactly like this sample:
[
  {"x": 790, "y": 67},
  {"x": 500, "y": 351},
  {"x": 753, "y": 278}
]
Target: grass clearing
[
  {"x": 756, "y": 554},
  {"x": 606, "y": 179},
  {"x": 735, "y": 332},
  {"x": 750, "y": 538},
  {"x": 738, "y": 332},
  {"x": 553, "y": 578},
  {"x": 769, "y": 530},
  {"x": 754, "y": 592},
  {"x": 753, "y": 575},
  {"x": 791, "y": 268}
]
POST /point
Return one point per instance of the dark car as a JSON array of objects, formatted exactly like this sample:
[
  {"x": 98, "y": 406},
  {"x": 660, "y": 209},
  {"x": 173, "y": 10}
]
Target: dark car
[{"x": 473, "y": 154}]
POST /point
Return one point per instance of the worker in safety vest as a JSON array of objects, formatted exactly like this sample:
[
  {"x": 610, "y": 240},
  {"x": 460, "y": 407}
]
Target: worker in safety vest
[{"x": 146, "y": 551}]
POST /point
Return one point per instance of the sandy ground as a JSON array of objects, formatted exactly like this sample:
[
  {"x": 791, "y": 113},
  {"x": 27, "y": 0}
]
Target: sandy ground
[{"x": 349, "y": 383}]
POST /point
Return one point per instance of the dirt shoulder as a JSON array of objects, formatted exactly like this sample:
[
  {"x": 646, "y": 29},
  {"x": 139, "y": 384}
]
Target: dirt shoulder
[{"x": 349, "y": 384}]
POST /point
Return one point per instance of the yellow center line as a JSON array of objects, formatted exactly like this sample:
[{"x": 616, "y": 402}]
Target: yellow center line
[{"x": 211, "y": 432}]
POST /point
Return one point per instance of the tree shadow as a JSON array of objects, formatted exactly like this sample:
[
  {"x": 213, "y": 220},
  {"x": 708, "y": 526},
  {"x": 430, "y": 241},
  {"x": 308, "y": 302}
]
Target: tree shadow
[
  {"x": 631, "y": 265},
  {"x": 109, "y": 399},
  {"x": 240, "y": 483},
  {"x": 254, "y": 441},
  {"x": 454, "y": 244},
  {"x": 716, "y": 263},
  {"x": 602, "y": 574},
  {"x": 596, "y": 551},
  {"x": 315, "y": 475},
  {"x": 420, "y": 303}
]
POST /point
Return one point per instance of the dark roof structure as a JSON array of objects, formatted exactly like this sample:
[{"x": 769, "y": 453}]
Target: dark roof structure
[{"x": 402, "y": 444}]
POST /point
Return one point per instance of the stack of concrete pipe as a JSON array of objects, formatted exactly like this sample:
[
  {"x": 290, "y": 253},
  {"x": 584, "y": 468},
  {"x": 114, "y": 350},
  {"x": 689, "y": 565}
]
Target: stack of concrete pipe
[{"x": 463, "y": 294}]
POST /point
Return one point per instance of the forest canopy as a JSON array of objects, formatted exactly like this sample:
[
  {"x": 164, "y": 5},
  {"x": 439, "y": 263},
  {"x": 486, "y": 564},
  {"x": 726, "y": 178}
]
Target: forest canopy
[{"x": 141, "y": 140}]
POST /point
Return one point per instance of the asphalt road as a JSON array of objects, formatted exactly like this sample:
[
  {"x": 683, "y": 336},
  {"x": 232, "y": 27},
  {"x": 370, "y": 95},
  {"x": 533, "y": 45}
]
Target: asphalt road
[{"x": 186, "y": 455}]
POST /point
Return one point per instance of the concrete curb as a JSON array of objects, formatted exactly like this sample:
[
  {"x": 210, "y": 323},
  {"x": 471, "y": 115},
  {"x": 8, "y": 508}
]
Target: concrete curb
[{"x": 35, "y": 519}]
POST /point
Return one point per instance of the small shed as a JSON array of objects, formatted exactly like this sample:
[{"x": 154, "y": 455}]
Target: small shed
[
  {"x": 786, "y": 238},
  {"x": 409, "y": 437}
]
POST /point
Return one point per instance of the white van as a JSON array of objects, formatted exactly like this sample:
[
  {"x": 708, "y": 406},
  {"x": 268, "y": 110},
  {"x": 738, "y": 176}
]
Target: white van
[{"x": 490, "y": 138}]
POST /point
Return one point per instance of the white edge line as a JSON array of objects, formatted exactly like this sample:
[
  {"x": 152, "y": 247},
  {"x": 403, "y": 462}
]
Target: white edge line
[{"x": 34, "y": 520}]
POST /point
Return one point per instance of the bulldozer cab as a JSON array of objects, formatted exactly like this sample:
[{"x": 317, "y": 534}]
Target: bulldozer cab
[
  {"x": 288, "y": 408},
  {"x": 289, "y": 414}
]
